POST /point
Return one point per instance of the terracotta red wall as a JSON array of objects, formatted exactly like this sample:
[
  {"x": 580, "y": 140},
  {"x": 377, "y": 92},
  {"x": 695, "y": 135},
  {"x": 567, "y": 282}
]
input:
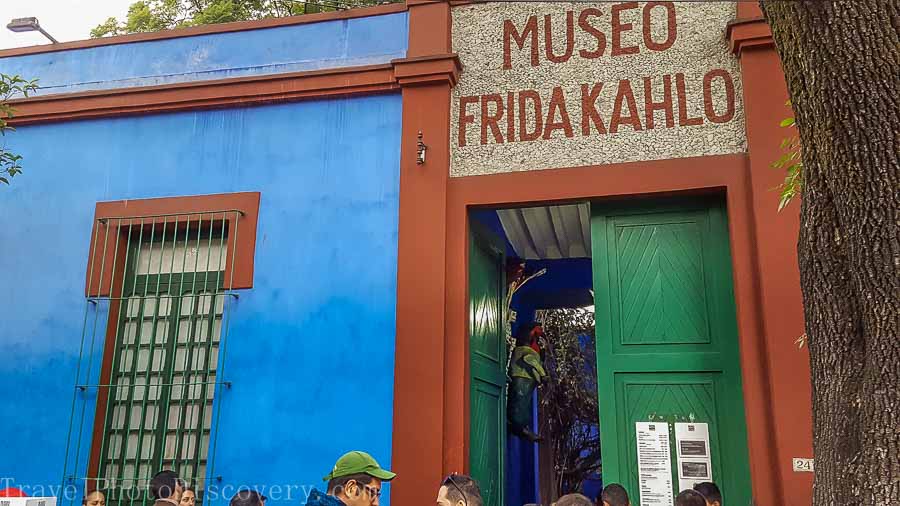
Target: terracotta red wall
[
  {"x": 776, "y": 233},
  {"x": 419, "y": 416}
]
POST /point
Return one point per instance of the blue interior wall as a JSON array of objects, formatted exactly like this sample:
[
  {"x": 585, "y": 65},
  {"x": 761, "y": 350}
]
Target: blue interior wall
[
  {"x": 311, "y": 346},
  {"x": 293, "y": 48}
]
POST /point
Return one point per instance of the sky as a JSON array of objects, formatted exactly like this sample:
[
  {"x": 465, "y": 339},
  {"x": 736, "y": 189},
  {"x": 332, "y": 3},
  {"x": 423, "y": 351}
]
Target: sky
[{"x": 65, "y": 20}]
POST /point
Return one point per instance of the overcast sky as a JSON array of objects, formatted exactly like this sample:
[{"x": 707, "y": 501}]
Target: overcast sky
[{"x": 65, "y": 20}]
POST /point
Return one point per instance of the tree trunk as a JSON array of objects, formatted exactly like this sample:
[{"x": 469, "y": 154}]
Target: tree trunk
[{"x": 842, "y": 66}]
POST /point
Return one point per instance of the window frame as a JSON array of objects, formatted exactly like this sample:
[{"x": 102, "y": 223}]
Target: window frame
[{"x": 104, "y": 278}]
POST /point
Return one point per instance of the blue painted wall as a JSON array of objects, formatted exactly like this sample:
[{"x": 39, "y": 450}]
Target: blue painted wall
[
  {"x": 311, "y": 345},
  {"x": 312, "y": 46}
]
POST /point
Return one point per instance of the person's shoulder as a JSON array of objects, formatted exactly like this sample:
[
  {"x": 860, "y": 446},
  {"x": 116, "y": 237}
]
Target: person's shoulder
[{"x": 317, "y": 498}]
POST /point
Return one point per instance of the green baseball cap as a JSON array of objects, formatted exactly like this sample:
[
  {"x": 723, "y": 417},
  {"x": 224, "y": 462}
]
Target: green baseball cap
[{"x": 357, "y": 462}]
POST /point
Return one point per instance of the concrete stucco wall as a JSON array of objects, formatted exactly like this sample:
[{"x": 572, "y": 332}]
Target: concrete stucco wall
[{"x": 698, "y": 46}]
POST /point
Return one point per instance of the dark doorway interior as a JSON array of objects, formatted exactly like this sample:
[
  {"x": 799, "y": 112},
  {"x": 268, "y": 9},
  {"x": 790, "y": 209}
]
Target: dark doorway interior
[{"x": 555, "y": 240}]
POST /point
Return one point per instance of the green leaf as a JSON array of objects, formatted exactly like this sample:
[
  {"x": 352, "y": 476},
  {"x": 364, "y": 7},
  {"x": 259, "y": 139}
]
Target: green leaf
[
  {"x": 787, "y": 122},
  {"x": 4, "y": 180},
  {"x": 785, "y": 200}
]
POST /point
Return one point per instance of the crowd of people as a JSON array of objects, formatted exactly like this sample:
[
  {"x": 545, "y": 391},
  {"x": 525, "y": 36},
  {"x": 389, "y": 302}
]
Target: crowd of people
[
  {"x": 703, "y": 494},
  {"x": 356, "y": 480}
]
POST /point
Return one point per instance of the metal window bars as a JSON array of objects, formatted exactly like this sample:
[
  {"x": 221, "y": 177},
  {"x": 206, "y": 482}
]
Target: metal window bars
[{"x": 154, "y": 334}]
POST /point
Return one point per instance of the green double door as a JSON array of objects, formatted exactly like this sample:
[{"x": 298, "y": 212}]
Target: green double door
[{"x": 667, "y": 343}]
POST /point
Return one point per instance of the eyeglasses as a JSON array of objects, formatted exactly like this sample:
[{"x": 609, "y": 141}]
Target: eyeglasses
[
  {"x": 372, "y": 491},
  {"x": 451, "y": 479}
]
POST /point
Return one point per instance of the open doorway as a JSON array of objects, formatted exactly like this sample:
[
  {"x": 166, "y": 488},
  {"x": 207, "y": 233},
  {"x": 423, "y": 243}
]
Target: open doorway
[
  {"x": 652, "y": 399},
  {"x": 546, "y": 305}
]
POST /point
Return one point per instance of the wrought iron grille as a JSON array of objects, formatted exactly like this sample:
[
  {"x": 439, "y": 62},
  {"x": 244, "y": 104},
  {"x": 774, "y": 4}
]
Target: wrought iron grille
[{"x": 163, "y": 284}]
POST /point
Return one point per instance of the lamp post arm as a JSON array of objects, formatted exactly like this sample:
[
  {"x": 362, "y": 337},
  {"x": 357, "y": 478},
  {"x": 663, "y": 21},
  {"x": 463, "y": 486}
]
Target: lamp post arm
[{"x": 47, "y": 35}]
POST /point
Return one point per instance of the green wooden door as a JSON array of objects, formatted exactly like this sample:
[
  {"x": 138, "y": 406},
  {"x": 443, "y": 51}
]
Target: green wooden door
[
  {"x": 487, "y": 347},
  {"x": 667, "y": 344}
]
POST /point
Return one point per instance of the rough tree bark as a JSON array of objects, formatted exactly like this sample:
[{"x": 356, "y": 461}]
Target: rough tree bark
[{"x": 842, "y": 64}]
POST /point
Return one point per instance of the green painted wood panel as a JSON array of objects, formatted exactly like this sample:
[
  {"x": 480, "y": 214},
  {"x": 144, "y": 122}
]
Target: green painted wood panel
[
  {"x": 661, "y": 297},
  {"x": 487, "y": 347},
  {"x": 668, "y": 397},
  {"x": 667, "y": 343}
]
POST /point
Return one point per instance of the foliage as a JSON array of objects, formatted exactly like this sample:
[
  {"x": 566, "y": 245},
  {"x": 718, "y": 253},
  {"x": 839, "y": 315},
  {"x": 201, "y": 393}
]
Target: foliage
[
  {"x": 569, "y": 397},
  {"x": 792, "y": 164},
  {"x": 11, "y": 87},
  {"x": 155, "y": 15}
]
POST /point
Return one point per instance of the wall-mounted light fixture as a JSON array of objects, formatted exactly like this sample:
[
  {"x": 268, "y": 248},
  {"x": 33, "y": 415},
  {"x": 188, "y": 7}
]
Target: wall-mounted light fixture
[
  {"x": 29, "y": 25},
  {"x": 420, "y": 151}
]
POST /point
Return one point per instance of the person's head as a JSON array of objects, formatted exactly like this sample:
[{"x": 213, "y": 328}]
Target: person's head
[
  {"x": 528, "y": 334},
  {"x": 248, "y": 498},
  {"x": 574, "y": 500},
  {"x": 614, "y": 495},
  {"x": 690, "y": 498},
  {"x": 95, "y": 498},
  {"x": 166, "y": 485},
  {"x": 356, "y": 479},
  {"x": 356, "y": 489},
  {"x": 459, "y": 490},
  {"x": 188, "y": 497},
  {"x": 711, "y": 492}
]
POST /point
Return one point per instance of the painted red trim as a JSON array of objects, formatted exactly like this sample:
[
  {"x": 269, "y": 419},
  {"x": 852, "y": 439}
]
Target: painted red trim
[
  {"x": 780, "y": 300},
  {"x": 747, "y": 33},
  {"x": 429, "y": 28},
  {"x": 419, "y": 385},
  {"x": 655, "y": 178},
  {"x": 240, "y": 91},
  {"x": 106, "y": 364},
  {"x": 194, "y": 31},
  {"x": 748, "y": 10},
  {"x": 121, "y": 216},
  {"x": 441, "y": 68}
]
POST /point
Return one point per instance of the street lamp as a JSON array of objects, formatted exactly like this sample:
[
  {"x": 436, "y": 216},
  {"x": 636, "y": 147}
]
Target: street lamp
[{"x": 29, "y": 25}]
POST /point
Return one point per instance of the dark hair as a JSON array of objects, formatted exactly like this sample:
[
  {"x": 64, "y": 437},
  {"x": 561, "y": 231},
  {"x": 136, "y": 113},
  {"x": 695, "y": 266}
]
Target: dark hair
[
  {"x": 710, "y": 491},
  {"x": 615, "y": 495},
  {"x": 336, "y": 485},
  {"x": 690, "y": 498},
  {"x": 573, "y": 500},
  {"x": 523, "y": 335},
  {"x": 247, "y": 497},
  {"x": 163, "y": 485},
  {"x": 461, "y": 487},
  {"x": 84, "y": 499}
]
